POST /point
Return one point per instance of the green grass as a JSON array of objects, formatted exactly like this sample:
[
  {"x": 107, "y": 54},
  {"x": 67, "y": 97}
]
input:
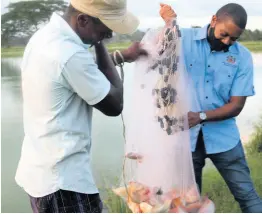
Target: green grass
[
  {"x": 255, "y": 144},
  {"x": 115, "y": 204},
  {"x": 18, "y": 51},
  {"x": 215, "y": 187},
  {"x": 12, "y": 52},
  {"x": 118, "y": 46},
  {"x": 253, "y": 46}
]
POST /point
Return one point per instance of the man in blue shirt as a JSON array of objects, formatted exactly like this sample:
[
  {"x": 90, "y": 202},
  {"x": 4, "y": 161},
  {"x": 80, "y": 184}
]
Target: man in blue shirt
[{"x": 222, "y": 73}]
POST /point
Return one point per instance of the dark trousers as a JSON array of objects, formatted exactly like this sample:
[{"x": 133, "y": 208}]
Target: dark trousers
[
  {"x": 233, "y": 168},
  {"x": 64, "y": 201}
]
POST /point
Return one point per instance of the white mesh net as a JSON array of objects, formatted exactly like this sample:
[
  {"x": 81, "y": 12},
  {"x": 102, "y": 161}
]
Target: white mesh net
[{"x": 158, "y": 171}]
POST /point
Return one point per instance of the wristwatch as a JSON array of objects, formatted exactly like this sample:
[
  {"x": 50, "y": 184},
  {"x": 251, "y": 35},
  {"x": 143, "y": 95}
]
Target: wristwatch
[{"x": 202, "y": 116}]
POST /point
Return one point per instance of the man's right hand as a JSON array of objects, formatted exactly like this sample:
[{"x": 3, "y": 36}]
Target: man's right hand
[
  {"x": 133, "y": 52},
  {"x": 166, "y": 12}
]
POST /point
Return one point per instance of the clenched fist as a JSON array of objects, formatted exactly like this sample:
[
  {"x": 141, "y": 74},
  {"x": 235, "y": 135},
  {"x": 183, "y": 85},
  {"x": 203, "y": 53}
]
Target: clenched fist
[{"x": 166, "y": 12}]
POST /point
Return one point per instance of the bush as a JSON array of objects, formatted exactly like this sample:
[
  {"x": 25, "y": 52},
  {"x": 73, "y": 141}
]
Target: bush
[{"x": 255, "y": 144}]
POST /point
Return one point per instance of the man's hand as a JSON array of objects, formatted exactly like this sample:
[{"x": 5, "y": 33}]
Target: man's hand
[
  {"x": 133, "y": 52},
  {"x": 193, "y": 119},
  {"x": 166, "y": 12},
  {"x": 229, "y": 110}
]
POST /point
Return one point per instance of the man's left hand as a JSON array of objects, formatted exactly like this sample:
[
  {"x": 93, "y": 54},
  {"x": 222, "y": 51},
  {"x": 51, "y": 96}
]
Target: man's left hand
[
  {"x": 133, "y": 52},
  {"x": 193, "y": 119}
]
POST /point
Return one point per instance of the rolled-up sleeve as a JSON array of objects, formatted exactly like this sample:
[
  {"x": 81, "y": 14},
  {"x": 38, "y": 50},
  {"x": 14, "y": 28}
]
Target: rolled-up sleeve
[
  {"x": 85, "y": 79},
  {"x": 243, "y": 83}
]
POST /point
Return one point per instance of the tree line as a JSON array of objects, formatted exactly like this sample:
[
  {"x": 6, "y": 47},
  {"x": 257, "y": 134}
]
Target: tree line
[{"x": 26, "y": 17}]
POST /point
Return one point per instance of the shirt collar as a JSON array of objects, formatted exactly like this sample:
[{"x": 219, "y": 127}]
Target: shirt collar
[
  {"x": 201, "y": 33},
  {"x": 234, "y": 48},
  {"x": 59, "y": 23}
]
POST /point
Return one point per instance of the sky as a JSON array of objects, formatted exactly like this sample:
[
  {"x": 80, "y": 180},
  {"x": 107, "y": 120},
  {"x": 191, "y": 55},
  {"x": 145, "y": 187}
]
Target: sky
[{"x": 190, "y": 12}]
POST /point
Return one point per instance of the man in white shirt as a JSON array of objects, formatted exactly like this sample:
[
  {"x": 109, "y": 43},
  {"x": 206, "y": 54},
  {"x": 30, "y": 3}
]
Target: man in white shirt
[{"x": 61, "y": 84}]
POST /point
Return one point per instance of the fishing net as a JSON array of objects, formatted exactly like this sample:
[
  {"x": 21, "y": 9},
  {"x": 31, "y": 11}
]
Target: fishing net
[{"x": 158, "y": 171}]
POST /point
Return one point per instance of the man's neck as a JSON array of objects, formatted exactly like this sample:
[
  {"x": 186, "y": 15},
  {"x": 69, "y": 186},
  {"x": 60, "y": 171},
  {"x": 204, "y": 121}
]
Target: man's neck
[{"x": 70, "y": 21}]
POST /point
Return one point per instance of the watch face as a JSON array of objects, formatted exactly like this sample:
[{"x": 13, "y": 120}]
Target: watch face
[{"x": 202, "y": 116}]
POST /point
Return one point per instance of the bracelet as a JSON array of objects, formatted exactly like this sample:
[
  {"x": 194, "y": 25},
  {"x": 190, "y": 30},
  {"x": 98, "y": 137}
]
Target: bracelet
[
  {"x": 119, "y": 64},
  {"x": 121, "y": 56},
  {"x": 115, "y": 59}
]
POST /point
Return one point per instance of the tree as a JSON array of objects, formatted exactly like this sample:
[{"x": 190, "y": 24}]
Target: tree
[
  {"x": 249, "y": 35},
  {"x": 25, "y": 17},
  {"x": 137, "y": 36}
]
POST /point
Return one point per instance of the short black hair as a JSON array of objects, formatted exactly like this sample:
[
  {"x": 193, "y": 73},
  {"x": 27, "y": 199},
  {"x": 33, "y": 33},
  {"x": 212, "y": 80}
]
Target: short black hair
[{"x": 235, "y": 12}]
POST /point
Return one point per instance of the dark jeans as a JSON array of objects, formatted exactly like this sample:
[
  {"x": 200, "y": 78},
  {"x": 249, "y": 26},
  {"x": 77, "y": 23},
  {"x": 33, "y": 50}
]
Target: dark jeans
[{"x": 233, "y": 168}]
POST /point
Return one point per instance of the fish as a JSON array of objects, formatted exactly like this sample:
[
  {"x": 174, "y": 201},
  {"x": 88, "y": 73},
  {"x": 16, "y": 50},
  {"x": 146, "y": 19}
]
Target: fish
[
  {"x": 134, "y": 156},
  {"x": 192, "y": 208},
  {"x": 177, "y": 210},
  {"x": 192, "y": 195},
  {"x": 145, "y": 207},
  {"x": 134, "y": 207},
  {"x": 121, "y": 192},
  {"x": 207, "y": 206},
  {"x": 162, "y": 208},
  {"x": 138, "y": 192}
]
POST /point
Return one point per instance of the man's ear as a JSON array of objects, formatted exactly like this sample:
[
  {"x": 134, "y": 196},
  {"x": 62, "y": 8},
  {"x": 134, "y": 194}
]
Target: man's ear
[
  {"x": 82, "y": 20},
  {"x": 213, "y": 21}
]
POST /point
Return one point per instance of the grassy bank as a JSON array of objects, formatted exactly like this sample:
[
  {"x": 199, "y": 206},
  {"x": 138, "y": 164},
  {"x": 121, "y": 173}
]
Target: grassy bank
[
  {"x": 253, "y": 46},
  {"x": 215, "y": 187},
  {"x": 12, "y": 52},
  {"x": 118, "y": 46},
  {"x": 213, "y": 184},
  {"x": 18, "y": 51}
]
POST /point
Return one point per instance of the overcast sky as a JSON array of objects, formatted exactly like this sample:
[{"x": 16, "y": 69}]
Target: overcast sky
[{"x": 190, "y": 12}]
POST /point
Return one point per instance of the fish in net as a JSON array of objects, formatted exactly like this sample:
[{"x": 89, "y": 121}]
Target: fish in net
[{"x": 158, "y": 171}]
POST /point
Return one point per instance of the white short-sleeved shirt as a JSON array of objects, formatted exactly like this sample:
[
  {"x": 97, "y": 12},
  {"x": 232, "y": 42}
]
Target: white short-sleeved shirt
[{"x": 60, "y": 83}]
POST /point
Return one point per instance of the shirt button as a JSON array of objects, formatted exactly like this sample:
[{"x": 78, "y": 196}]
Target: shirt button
[
  {"x": 207, "y": 81},
  {"x": 206, "y": 97},
  {"x": 208, "y": 66}
]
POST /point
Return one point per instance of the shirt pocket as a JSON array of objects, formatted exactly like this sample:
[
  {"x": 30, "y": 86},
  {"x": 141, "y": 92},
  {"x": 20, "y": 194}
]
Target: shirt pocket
[
  {"x": 223, "y": 80},
  {"x": 195, "y": 69}
]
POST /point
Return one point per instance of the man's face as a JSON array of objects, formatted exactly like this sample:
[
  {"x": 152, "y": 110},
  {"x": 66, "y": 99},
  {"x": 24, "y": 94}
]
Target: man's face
[
  {"x": 226, "y": 30},
  {"x": 92, "y": 30}
]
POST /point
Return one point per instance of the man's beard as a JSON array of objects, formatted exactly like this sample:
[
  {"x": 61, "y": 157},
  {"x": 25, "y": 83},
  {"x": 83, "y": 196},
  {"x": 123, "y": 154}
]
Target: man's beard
[{"x": 216, "y": 44}]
